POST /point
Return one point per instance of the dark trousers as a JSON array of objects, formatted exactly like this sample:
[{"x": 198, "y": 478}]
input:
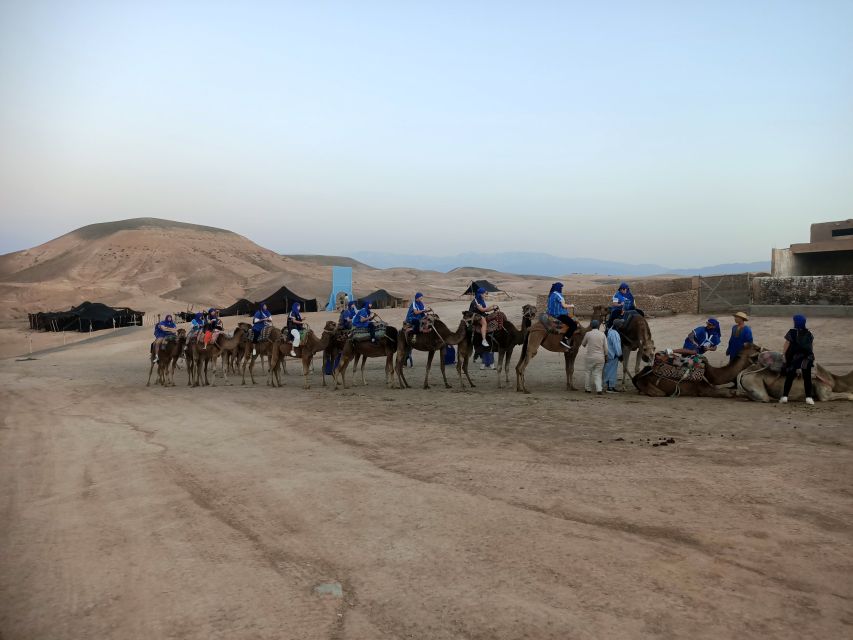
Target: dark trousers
[
  {"x": 807, "y": 380},
  {"x": 571, "y": 324}
]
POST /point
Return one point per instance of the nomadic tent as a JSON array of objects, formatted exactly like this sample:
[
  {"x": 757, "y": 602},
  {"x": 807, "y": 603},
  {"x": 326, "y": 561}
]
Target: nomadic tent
[
  {"x": 485, "y": 284},
  {"x": 381, "y": 299},
  {"x": 242, "y": 307},
  {"x": 89, "y": 316}
]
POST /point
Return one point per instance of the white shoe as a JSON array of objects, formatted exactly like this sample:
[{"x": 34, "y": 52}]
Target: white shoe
[
  {"x": 809, "y": 400},
  {"x": 295, "y": 335},
  {"x": 254, "y": 352},
  {"x": 485, "y": 343},
  {"x": 783, "y": 400},
  {"x": 482, "y": 367},
  {"x": 565, "y": 344},
  {"x": 292, "y": 353},
  {"x": 155, "y": 360}
]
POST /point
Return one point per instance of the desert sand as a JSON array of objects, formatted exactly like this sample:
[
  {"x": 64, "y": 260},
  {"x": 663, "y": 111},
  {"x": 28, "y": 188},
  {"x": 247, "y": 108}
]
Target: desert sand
[{"x": 251, "y": 512}]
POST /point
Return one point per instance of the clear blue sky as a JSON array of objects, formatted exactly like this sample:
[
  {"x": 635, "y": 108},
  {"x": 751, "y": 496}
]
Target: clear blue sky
[{"x": 433, "y": 128}]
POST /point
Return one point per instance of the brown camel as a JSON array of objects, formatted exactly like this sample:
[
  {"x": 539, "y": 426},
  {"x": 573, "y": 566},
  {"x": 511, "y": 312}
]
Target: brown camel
[
  {"x": 167, "y": 360},
  {"x": 762, "y": 385},
  {"x": 310, "y": 345},
  {"x": 536, "y": 336},
  {"x": 436, "y": 340},
  {"x": 651, "y": 384},
  {"x": 255, "y": 350},
  {"x": 201, "y": 357},
  {"x": 386, "y": 346},
  {"x": 636, "y": 337},
  {"x": 503, "y": 341}
]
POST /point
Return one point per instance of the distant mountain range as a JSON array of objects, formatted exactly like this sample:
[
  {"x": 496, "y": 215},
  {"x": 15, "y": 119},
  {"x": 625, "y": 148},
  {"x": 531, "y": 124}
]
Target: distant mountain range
[{"x": 542, "y": 264}]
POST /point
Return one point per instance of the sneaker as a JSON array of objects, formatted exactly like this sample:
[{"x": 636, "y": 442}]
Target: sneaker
[
  {"x": 292, "y": 353},
  {"x": 491, "y": 366},
  {"x": 485, "y": 343},
  {"x": 565, "y": 344},
  {"x": 809, "y": 400},
  {"x": 482, "y": 367},
  {"x": 612, "y": 391},
  {"x": 155, "y": 360},
  {"x": 783, "y": 400}
]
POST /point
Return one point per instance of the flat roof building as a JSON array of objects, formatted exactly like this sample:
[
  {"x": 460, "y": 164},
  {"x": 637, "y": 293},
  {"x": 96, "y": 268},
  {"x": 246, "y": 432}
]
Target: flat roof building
[{"x": 829, "y": 252}]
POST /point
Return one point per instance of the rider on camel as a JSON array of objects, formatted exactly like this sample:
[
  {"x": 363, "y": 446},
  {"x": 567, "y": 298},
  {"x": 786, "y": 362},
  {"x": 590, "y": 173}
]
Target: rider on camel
[
  {"x": 214, "y": 323},
  {"x": 347, "y": 314},
  {"x": 416, "y": 312},
  {"x": 479, "y": 306},
  {"x": 362, "y": 319},
  {"x": 262, "y": 318},
  {"x": 559, "y": 309},
  {"x": 295, "y": 324},
  {"x": 162, "y": 331}
]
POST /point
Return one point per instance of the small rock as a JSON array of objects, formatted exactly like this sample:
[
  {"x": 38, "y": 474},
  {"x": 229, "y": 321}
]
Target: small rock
[
  {"x": 619, "y": 440},
  {"x": 330, "y": 589}
]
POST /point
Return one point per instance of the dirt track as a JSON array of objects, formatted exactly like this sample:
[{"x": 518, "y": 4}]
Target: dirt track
[{"x": 217, "y": 513}]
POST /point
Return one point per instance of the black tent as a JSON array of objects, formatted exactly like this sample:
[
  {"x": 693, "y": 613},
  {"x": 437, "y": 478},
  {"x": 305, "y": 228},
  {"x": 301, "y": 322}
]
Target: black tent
[
  {"x": 89, "y": 316},
  {"x": 242, "y": 307},
  {"x": 381, "y": 299},
  {"x": 485, "y": 284}
]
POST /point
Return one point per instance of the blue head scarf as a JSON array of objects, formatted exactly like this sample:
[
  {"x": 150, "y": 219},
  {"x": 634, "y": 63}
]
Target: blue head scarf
[
  {"x": 199, "y": 316},
  {"x": 295, "y": 308},
  {"x": 624, "y": 285},
  {"x": 351, "y": 304},
  {"x": 799, "y": 321},
  {"x": 263, "y": 306},
  {"x": 480, "y": 291},
  {"x": 715, "y": 324},
  {"x": 366, "y": 304},
  {"x": 418, "y": 295},
  {"x": 557, "y": 286}
]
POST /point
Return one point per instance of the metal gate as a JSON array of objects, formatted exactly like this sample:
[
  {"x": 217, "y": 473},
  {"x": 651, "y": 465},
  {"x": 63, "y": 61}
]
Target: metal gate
[{"x": 724, "y": 293}]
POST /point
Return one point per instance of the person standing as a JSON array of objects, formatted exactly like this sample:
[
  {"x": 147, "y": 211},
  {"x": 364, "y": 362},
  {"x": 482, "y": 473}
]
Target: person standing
[
  {"x": 799, "y": 357},
  {"x": 741, "y": 335},
  {"x": 596, "y": 352},
  {"x": 611, "y": 365}
]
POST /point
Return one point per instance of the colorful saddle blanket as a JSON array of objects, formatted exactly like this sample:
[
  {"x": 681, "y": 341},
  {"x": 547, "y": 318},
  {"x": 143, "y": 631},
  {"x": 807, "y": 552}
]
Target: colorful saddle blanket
[
  {"x": 551, "y": 324},
  {"x": 265, "y": 333},
  {"x": 360, "y": 334},
  {"x": 495, "y": 321},
  {"x": 679, "y": 368},
  {"x": 772, "y": 360}
]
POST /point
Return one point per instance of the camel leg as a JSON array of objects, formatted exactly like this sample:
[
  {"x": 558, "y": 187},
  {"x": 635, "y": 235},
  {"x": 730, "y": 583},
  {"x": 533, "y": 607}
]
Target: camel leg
[
  {"x": 441, "y": 355},
  {"x": 252, "y": 369},
  {"x": 363, "y": 362},
  {"x": 148, "y": 384},
  {"x": 398, "y": 366},
  {"x": 459, "y": 369},
  {"x": 430, "y": 356},
  {"x": 507, "y": 360},
  {"x": 389, "y": 370},
  {"x": 306, "y": 371},
  {"x": 570, "y": 370},
  {"x": 532, "y": 347},
  {"x": 465, "y": 364},
  {"x": 501, "y": 355},
  {"x": 341, "y": 370}
]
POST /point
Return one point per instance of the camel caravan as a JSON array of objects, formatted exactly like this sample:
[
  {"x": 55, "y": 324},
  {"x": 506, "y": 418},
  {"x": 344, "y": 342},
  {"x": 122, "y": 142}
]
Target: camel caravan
[{"x": 613, "y": 333}]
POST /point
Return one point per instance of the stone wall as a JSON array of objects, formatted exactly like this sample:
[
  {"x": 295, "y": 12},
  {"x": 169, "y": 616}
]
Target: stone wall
[{"x": 803, "y": 290}]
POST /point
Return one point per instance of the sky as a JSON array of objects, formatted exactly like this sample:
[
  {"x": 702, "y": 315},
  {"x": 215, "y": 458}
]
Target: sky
[{"x": 684, "y": 133}]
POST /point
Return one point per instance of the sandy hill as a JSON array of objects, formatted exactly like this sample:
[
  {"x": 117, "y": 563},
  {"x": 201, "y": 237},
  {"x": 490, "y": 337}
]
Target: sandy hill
[{"x": 156, "y": 265}]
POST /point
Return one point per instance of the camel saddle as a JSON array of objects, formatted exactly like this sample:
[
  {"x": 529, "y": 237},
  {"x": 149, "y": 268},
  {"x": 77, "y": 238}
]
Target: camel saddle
[
  {"x": 624, "y": 321},
  {"x": 551, "y": 324},
  {"x": 265, "y": 333},
  {"x": 359, "y": 334},
  {"x": 772, "y": 360},
  {"x": 679, "y": 368}
]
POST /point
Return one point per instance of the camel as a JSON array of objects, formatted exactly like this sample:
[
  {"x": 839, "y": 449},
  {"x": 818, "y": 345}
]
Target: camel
[
  {"x": 168, "y": 360},
  {"x": 762, "y": 385},
  {"x": 255, "y": 350},
  {"x": 653, "y": 385},
  {"x": 637, "y": 337},
  {"x": 309, "y": 346},
  {"x": 502, "y": 341},
  {"x": 436, "y": 340},
  {"x": 384, "y": 347},
  {"x": 202, "y": 357},
  {"x": 536, "y": 335}
]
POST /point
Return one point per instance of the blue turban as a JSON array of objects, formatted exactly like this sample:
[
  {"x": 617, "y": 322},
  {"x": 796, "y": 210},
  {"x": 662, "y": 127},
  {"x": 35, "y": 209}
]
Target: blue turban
[
  {"x": 418, "y": 295},
  {"x": 716, "y": 324},
  {"x": 199, "y": 316},
  {"x": 295, "y": 308},
  {"x": 624, "y": 285},
  {"x": 799, "y": 321},
  {"x": 557, "y": 286},
  {"x": 480, "y": 291}
]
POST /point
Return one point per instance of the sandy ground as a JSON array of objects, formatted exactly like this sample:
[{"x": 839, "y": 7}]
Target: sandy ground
[{"x": 237, "y": 512}]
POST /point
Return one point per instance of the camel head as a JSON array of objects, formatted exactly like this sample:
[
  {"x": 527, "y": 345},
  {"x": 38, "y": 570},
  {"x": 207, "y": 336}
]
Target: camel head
[
  {"x": 182, "y": 333},
  {"x": 600, "y": 313},
  {"x": 330, "y": 327},
  {"x": 752, "y": 351},
  {"x": 648, "y": 353},
  {"x": 529, "y": 311}
]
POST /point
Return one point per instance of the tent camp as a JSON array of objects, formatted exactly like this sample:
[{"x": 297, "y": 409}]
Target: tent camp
[
  {"x": 242, "y": 307},
  {"x": 381, "y": 299},
  {"x": 89, "y": 316},
  {"x": 277, "y": 302},
  {"x": 485, "y": 284}
]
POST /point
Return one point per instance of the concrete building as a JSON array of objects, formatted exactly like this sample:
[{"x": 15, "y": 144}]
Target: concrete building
[
  {"x": 828, "y": 253},
  {"x": 814, "y": 277}
]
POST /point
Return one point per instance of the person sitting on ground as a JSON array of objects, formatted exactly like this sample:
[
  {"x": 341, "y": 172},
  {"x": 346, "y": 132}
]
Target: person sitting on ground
[
  {"x": 702, "y": 339},
  {"x": 416, "y": 313},
  {"x": 611, "y": 364},
  {"x": 559, "y": 309},
  {"x": 295, "y": 324},
  {"x": 596, "y": 353},
  {"x": 478, "y": 306},
  {"x": 196, "y": 325},
  {"x": 163, "y": 330},
  {"x": 347, "y": 314},
  {"x": 214, "y": 323},
  {"x": 362, "y": 320},
  {"x": 262, "y": 318},
  {"x": 799, "y": 358}
]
